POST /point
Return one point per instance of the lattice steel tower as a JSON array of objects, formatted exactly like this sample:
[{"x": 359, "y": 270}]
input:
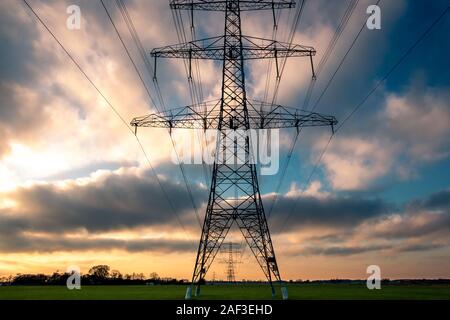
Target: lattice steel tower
[
  {"x": 234, "y": 192},
  {"x": 231, "y": 250}
]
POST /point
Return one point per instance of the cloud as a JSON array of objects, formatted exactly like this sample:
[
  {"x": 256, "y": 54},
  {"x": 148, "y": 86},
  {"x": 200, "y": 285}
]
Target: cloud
[
  {"x": 131, "y": 199},
  {"x": 343, "y": 251},
  {"x": 26, "y": 243},
  {"x": 22, "y": 112},
  {"x": 425, "y": 218},
  {"x": 302, "y": 211},
  {"x": 22, "y": 116},
  {"x": 41, "y": 217},
  {"x": 48, "y": 110},
  {"x": 125, "y": 210},
  {"x": 438, "y": 200},
  {"x": 411, "y": 224},
  {"x": 410, "y": 131},
  {"x": 314, "y": 190},
  {"x": 109, "y": 202},
  {"x": 420, "y": 119},
  {"x": 421, "y": 225},
  {"x": 354, "y": 163}
]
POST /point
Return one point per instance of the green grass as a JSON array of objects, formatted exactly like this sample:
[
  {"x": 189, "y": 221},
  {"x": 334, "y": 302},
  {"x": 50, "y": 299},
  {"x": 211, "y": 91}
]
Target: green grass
[{"x": 240, "y": 292}]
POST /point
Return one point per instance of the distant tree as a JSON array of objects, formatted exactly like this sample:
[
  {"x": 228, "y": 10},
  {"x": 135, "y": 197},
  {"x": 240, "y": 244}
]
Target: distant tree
[
  {"x": 154, "y": 276},
  {"x": 30, "y": 279},
  {"x": 100, "y": 271},
  {"x": 116, "y": 275},
  {"x": 140, "y": 276}
]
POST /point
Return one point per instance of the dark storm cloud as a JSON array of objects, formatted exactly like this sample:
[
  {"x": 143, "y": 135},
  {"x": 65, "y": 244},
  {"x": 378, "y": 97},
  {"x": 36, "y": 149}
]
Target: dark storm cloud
[
  {"x": 115, "y": 202},
  {"x": 439, "y": 200},
  {"x": 419, "y": 225},
  {"x": 24, "y": 243},
  {"x": 414, "y": 225},
  {"x": 354, "y": 250},
  {"x": 329, "y": 211},
  {"x": 128, "y": 201},
  {"x": 16, "y": 45},
  {"x": 342, "y": 250},
  {"x": 421, "y": 247},
  {"x": 424, "y": 217}
]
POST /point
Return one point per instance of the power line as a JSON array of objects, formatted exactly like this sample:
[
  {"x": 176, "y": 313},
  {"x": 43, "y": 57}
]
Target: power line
[
  {"x": 129, "y": 56},
  {"x": 196, "y": 93},
  {"x": 348, "y": 13},
  {"x": 340, "y": 64},
  {"x": 330, "y": 48},
  {"x": 295, "y": 24},
  {"x": 129, "y": 22},
  {"x": 200, "y": 100},
  {"x": 403, "y": 57},
  {"x": 340, "y": 28},
  {"x": 297, "y": 18},
  {"x": 270, "y": 63},
  {"x": 135, "y": 36},
  {"x": 112, "y": 108},
  {"x": 369, "y": 94},
  {"x": 188, "y": 189},
  {"x": 280, "y": 182}
]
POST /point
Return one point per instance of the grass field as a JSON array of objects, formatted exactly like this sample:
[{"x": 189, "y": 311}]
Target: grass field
[{"x": 241, "y": 292}]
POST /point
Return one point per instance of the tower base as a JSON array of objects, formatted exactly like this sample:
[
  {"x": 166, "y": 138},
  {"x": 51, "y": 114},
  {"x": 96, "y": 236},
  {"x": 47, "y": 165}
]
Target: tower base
[
  {"x": 188, "y": 295},
  {"x": 284, "y": 293}
]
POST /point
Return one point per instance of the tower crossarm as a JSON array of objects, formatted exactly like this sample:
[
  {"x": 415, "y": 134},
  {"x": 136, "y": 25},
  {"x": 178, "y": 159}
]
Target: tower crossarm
[
  {"x": 252, "y": 48},
  {"x": 261, "y": 116},
  {"x": 220, "y": 5},
  {"x": 200, "y": 116}
]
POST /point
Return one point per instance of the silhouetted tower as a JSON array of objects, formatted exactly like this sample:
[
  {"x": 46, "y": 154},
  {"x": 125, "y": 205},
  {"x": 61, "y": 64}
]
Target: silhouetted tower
[
  {"x": 231, "y": 250},
  {"x": 234, "y": 192}
]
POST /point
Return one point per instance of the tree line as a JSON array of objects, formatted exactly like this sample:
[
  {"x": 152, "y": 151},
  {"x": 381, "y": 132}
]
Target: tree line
[{"x": 97, "y": 275}]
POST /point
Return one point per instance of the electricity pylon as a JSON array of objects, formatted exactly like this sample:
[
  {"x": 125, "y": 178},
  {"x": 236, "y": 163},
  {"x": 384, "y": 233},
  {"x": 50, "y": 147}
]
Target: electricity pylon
[
  {"x": 234, "y": 192},
  {"x": 230, "y": 249}
]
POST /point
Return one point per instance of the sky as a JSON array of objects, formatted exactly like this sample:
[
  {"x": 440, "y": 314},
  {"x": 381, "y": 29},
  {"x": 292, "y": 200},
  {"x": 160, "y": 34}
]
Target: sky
[{"x": 76, "y": 189}]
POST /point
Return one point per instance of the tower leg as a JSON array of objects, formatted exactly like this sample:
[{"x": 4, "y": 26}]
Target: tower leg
[
  {"x": 256, "y": 232},
  {"x": 273, "y": 289},
  {"x": 215, "y": 229}
]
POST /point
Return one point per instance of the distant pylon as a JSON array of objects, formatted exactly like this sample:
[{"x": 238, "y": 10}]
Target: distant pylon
[{"x": 231, "y": 251}]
